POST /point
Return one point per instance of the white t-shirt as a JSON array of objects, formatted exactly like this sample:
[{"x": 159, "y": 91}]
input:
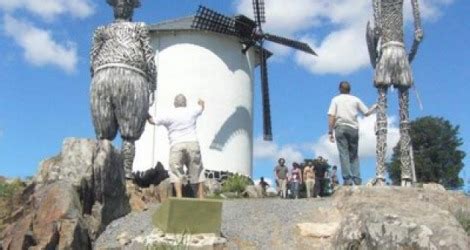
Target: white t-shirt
[
  {"x": 345, "y": 108},
  {"x": 181, "y": 123}
]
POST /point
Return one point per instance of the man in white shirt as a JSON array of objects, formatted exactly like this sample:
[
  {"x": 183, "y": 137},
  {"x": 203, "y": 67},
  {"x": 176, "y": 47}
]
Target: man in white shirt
[
  {"x": 184, "y": 145},
  {"x": 342, "y": 117}
]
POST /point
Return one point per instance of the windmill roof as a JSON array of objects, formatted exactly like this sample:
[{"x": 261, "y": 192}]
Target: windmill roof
[{"x": 184, "y": 23}]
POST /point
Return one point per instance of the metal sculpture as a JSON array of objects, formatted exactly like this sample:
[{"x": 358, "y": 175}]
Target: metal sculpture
[
  {"x": 123, "y": 79},
  {"x": 392, "y": 68},
  {"x": 250, "y": 33}
]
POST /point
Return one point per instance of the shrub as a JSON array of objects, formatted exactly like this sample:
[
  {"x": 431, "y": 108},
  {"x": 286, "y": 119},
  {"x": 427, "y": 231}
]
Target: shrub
[
  {"x": 236, "y": 184},
  {"x": 8, "y": 192},
  {"x": 463, "y": 217}
]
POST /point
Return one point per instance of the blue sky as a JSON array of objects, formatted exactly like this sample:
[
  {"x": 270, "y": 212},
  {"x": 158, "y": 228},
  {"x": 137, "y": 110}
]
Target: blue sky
[{"x": 44, "y": 73}]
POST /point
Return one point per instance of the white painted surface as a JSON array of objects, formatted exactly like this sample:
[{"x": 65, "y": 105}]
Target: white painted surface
[{"x": 211, "y": 67}]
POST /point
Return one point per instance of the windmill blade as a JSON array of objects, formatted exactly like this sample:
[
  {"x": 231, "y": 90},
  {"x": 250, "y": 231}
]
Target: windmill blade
[
  {"x": 267, "y": 132},
  {"x": 207, "y": 19},
  {"x": 259, "y": 13},
  {"x": 290, "y": 43}
]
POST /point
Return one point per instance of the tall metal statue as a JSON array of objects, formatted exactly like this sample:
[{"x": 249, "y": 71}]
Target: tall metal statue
[
  {"x": 123, "y": 79},
  {"x": 392, "y": 68}
]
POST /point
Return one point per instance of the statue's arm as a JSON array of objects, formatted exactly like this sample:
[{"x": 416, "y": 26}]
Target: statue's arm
[
  {"x": 95, "y": 47},
  {"x": 418, "y": 30},
  {"x": 377, "y": 20},
  {"x": 150, "y": 59},
  {"x": 417, "y": 21},
  {"x": 373, "y": 34}
]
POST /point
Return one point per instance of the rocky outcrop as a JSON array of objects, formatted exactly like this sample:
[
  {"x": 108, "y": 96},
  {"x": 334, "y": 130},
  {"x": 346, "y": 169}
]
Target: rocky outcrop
[
  {"x": 74, "y": 196},
  {"x": 253, "y": 191},
  {"x": 399, "y": 218},
  {"x": 150, "y": 186},
  {"x": 141, "y": 197},
  {"x": 53, "y": 220}
]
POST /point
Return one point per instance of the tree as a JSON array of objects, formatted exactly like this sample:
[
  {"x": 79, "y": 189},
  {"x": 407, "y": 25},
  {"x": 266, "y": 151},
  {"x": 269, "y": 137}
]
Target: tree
[{"x": 437, "y": 156}]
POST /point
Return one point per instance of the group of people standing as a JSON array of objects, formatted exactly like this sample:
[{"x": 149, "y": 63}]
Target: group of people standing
[{"x": 315, "y": 175}]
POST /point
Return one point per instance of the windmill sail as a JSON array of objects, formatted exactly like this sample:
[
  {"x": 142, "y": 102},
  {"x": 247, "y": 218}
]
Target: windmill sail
[
  {"x": 259, "y": 13},
  {"x": 267, "y": 130},
  {"x": 290, "y": 43},
  {"x": 207, "y": 19}
]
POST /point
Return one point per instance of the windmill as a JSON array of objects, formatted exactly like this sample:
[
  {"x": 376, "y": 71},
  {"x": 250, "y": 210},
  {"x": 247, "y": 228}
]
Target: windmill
[{"x": 251, "y": 34}]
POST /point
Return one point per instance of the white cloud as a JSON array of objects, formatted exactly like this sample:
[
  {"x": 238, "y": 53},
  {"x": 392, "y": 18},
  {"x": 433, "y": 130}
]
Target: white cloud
[
  {"x": 343, "y": 49},
  {"x": 367, "y": 141},
  {"x": 341, "y": 52},
  {"x": 264, "y": 149},
  {"x": 272, "y": 151},
  {"x": 50, "y": 9},
  {"x": 291, "y": 153},
  {"x": 285, "y": 19},
  {"x": 39, "y": 46}
]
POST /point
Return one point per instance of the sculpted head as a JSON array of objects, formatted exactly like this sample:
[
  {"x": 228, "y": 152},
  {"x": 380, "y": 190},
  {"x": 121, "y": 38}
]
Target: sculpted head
[
  {"x": 180, "y": 101},
  {"x": 124, "y": 9}
]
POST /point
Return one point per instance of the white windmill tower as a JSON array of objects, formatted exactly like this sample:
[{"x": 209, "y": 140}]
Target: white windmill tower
[{"x": 212, "y": 56}]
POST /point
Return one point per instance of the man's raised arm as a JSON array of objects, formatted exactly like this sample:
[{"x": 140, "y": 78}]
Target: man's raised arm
[{"x": 202, "y": 104}]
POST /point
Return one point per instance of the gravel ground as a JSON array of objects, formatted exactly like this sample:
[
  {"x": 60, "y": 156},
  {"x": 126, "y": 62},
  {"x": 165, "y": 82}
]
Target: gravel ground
[{"x": 247, "y": 223}]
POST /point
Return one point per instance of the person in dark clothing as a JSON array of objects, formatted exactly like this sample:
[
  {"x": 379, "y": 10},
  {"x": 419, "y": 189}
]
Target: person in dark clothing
[
  {"x": 334, "y": 177},
  {"x": 320, "y": 168},
  {"x": 264, "y": 185}
]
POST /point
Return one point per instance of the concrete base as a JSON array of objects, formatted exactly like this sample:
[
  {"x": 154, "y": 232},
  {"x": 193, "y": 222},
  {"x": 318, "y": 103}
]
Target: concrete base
[{"x": 189, "y": 216}]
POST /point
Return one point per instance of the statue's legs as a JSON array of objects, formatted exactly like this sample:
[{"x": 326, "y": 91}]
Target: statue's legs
[
  {"x": 405, "y": 140},
  {"x": 104, "y": 120},
  {"x": 131, "y": 102},
  {"x": 381, "y": 135},
  {"x": 120, "y": 99},
  {"x": 128, "y": 153}
]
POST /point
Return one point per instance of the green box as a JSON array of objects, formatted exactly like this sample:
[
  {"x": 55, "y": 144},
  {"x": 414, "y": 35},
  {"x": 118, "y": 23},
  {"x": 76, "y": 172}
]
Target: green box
[{"x": 191, "y": 216}]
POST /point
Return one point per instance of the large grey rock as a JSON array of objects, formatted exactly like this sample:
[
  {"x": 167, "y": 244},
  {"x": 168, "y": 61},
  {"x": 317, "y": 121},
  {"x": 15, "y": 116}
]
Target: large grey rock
[
  {"x": 253, "y": 191},
  {"x": 212, "y": 187},
  {"x": 399, "y": 218},
  {"x": 94, "y": 169},
  {"x": 76, "y": 195}
]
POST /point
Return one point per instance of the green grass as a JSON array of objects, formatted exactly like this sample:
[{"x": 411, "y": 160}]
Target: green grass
[
  {"x": 463, "y": 217},
  {"x": 8, "y": 191}
]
